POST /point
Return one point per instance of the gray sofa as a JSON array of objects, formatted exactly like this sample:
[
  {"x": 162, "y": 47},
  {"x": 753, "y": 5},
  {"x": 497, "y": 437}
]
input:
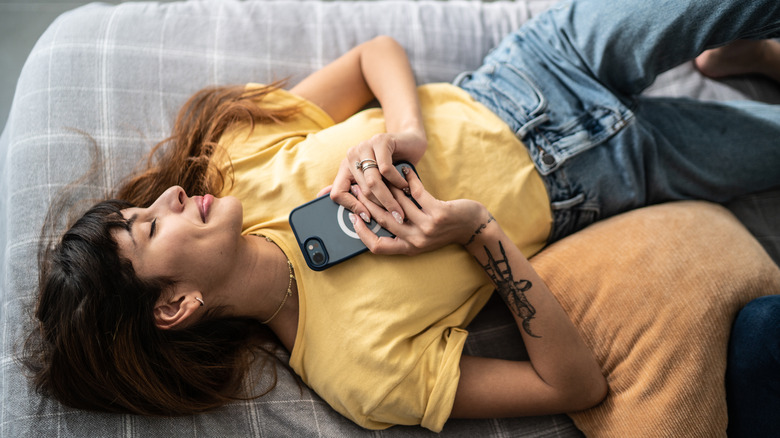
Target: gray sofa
[{"x": 119, "y": 73}]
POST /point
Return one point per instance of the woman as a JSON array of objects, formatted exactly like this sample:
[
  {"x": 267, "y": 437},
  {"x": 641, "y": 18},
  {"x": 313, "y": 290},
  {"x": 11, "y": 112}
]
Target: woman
[{"x": 176, "y": 283}]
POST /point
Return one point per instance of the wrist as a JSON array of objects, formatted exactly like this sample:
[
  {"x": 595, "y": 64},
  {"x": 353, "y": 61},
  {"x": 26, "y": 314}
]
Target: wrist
[
  {"x": 412, "y": 126},
  {"x": 411, "y": 144},
  {"x": 484, "y": 227}
]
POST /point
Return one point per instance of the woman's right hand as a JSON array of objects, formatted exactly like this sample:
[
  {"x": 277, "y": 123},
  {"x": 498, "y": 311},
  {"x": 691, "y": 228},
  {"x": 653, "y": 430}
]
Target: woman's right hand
[
  {"x": 375, "y": 181},
  {"x": 435, "y": 224}
]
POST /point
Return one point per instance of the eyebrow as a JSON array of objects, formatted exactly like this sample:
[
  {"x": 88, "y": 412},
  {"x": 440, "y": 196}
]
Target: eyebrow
[{"x": 129, "y": 228}]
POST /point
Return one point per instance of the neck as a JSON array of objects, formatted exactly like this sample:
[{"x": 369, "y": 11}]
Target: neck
[{"x": 258, "y": 285}]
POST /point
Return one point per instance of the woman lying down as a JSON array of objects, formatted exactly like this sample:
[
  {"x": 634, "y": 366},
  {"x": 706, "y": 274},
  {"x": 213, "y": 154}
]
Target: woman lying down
[{"x": 159, "y": 302}]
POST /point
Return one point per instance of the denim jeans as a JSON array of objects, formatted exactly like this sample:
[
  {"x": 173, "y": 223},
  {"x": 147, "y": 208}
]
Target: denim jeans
[
  {"x": 753, "y": 372},
  {"x": 569, "y": 82}
]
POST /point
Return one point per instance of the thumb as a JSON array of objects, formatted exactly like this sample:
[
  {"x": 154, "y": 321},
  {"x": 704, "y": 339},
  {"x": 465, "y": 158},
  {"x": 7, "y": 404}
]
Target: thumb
[{"x": 324, "y": 191}]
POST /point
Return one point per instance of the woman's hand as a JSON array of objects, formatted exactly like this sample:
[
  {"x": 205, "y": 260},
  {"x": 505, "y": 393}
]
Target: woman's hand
[
  {"x": 435, "y": 224},
  {"x": 376, "y": 69},
  {"x": 563, "y": 375},
  {"x": 370, "y": 165}
]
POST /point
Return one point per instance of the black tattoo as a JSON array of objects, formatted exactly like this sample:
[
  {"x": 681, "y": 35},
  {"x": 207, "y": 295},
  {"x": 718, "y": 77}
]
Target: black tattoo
[
  {"x": 479, "y": 230},
  {"x": 513, "y": 292}
]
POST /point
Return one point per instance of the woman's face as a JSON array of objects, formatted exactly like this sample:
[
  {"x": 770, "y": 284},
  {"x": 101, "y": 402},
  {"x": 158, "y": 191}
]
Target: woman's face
[{"x": 190, "y": 240}]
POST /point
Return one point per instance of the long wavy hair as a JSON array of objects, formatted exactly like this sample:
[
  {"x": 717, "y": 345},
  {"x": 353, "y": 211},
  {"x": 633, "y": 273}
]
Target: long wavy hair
[{"x": 95, "y": 344}]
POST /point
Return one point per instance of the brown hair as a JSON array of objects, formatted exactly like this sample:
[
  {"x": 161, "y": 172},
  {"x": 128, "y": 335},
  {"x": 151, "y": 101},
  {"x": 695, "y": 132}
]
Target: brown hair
[
  {"x": 95, "y": 345},
  {"x": 183, "y": 159}
]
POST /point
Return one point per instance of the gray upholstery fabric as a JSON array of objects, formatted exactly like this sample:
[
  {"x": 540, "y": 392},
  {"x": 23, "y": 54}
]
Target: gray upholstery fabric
[{"x": 119, "y": 73}]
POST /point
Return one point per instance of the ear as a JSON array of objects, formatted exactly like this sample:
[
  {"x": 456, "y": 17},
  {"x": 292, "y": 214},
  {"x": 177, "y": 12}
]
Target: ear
[{"x": 173, "y": 310}]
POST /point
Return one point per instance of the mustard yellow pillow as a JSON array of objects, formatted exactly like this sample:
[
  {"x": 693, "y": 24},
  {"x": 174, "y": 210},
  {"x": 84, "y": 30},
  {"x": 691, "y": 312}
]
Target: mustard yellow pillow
[{"x": 654, "y": 293}]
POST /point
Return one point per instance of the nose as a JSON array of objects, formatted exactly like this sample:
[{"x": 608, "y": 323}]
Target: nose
[{"x": 171, "y": 200}]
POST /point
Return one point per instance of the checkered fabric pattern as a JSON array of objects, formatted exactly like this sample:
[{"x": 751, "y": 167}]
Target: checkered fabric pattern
[{"x": 118, "y": 74}]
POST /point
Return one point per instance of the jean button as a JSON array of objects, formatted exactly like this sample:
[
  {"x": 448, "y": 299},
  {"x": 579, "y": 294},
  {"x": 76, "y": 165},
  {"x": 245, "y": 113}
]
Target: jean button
[{"x": 547, "y": 159}]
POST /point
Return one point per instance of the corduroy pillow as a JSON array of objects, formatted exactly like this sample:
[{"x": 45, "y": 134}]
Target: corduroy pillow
[{"x": 654, "y": 293}]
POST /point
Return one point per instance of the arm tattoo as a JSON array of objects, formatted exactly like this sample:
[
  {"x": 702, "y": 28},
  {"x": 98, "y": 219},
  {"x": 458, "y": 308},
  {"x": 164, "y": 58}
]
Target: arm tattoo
[
  {"x": 513, "y": 292},
  {"x": 479, "y": 230}
]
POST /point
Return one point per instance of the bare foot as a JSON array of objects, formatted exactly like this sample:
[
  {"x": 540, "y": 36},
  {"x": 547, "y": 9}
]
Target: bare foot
[{"x": 742, "y": 57}]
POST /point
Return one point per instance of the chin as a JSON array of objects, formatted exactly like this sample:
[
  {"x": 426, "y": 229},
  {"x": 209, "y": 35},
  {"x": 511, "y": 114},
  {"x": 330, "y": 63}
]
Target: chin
[{"x": 234, "y": 210}]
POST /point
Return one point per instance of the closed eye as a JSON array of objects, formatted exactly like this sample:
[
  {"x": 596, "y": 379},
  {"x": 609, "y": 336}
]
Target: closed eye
[{"x": 153, "y": 228}]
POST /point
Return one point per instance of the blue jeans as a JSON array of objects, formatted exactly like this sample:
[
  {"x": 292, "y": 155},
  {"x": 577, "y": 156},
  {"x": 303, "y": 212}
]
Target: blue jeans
[
  {"x": 569, "y": 82},
  {"x": 753, "y": 372}
]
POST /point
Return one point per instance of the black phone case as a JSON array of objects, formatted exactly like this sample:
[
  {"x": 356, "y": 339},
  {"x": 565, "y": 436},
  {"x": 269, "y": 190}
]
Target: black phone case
[{"x": 325, "y": 234}]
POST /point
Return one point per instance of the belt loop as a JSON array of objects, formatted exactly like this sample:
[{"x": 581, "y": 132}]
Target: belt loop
[
  {"x": 462, "y": 76},
  {"x": 531, "y": 124}
]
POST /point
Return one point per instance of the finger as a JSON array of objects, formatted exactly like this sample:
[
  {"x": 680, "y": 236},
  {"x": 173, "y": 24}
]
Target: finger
[
  {"x": 379, "y": 214},
  {"x": 417, "y": 190},
  {"x": 377, "y": 153},
  {"x": 381, "y": 192},
  {"x": 359, "y": 156},
  {"x": 412, "y": 210},
  {"x": 378, "y": 244},
  {"x": 374, "y": 209},
  {"x": 406, "y": 198},
  {"x": 384, "y": 159},
  {"x": 342, "y": 182},
  {"x": 324, "y": 191},
  {"x": 341, "y": 193}
]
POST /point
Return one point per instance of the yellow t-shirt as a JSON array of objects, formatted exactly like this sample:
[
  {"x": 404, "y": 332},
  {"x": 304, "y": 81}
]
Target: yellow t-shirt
[{"x": 380, "y": 337}]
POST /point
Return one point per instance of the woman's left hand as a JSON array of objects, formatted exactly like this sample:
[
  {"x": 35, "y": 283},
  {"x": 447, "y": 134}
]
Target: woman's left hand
[
  {"x": 369, "y": 165},
  {"x": 433, "y": 225}
]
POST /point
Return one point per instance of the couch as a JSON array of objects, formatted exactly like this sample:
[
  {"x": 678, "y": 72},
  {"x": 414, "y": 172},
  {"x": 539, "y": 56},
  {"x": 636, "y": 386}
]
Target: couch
[{"x": 118, "y": 73}]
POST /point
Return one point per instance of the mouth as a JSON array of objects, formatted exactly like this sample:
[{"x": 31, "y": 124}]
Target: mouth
[{"x": 204, "y": 205}]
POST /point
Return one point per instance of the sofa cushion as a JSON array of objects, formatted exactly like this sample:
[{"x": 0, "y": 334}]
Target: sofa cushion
[{"x": 654, "y": 293}]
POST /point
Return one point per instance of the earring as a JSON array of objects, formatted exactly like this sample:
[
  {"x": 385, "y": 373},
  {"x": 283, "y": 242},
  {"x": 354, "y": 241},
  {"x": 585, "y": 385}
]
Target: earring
[{"x": 201, "y": 301}]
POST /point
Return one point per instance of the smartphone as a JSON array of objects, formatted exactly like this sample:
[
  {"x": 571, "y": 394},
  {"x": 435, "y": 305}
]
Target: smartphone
[{"x": 326, "y": 235}]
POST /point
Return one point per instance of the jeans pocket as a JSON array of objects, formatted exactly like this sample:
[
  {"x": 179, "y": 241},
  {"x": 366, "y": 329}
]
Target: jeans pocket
[
  {"x": 557, "y": 141},
  {"x": 519, "y": 100},
  {"x": 556, "y": 121}
]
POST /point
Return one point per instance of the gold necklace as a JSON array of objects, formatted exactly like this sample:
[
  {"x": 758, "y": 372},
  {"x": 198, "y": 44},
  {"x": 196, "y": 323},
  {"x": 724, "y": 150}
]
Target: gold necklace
[{"x": 289, "y": 284}]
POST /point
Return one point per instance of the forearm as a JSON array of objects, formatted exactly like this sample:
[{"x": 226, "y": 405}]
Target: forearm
[
  {"x": 562, "y": 375},
  {"x": 558, "y": 354},
  {"x": 389, "y": 76}
]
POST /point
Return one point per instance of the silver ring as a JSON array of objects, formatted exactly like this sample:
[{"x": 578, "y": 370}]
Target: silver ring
[
  {"x": 367, "y": 166},
  {"x": 361, "y": 163}
]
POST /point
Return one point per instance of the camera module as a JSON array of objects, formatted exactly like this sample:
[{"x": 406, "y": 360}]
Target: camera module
[{"x": 316, "y": 251}]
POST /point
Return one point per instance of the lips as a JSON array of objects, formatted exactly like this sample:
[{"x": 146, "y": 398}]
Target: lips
[{"x": 204, "y": 205}]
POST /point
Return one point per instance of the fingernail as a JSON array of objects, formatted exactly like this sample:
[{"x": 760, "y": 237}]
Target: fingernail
[
  {"x": 352, "y": 218},
  {"x": 407, "y": 191},
  {"x": 397, "y": 217},
  {"x": 365, "y": 217},
  {"x": 353, "y": 190}
]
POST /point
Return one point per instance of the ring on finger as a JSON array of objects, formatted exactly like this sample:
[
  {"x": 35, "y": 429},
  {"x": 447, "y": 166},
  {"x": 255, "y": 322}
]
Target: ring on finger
[
  {"x": 371, "y": 165},
  {"x": 359, "y": 164}
]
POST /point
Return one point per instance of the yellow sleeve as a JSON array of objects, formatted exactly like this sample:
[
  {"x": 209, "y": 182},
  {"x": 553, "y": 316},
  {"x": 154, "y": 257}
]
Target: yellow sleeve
[
  {"x": 241, "y": 141},
  {"x": 428, "y": 389}
]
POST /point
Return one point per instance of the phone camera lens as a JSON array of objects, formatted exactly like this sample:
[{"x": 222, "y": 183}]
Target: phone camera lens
[{"x": 317, "y": 254}]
